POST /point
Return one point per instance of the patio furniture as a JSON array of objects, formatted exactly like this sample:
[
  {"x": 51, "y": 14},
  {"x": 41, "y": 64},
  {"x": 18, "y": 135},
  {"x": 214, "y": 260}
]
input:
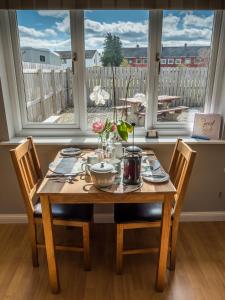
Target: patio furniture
[
  {"x": 148, "y": 215},
  {"x": 29, "y": 175},
  {"x": 137, "y": 111}
]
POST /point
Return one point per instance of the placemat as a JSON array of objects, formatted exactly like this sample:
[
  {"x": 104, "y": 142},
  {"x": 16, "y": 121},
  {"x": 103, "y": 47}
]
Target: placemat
[{"x": 68, "y": 165}]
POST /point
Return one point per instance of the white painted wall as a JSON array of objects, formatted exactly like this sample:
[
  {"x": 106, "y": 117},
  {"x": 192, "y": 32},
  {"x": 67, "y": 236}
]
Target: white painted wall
[
  {"x": 94, "y": 61},
  {"x": 33, "y": 55}
]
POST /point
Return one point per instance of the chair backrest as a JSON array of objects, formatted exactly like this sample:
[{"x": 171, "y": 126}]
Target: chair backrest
[
  {"x": 180, "y": 170},
  {"x": 28, "y": 171}
]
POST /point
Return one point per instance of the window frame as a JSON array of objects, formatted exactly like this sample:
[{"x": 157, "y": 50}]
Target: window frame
[
  {"x": 42, "y": 58},
  {"x": 170, "y": 61},
  {"x": 176, "y": 61},
  {"x": 187, "y": 59},
  {"x": 80, "y": 128},
  {"x": 168, "y": 128},
  {"x": 38, "y": 126}
]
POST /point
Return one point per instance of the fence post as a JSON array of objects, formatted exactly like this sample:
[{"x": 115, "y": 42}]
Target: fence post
[
  {"x": 54, "y": 104},
  {"x": 42, "y": 98},
  {"x": 68, "y": 87},
  {"x": 62, "y": 90}
]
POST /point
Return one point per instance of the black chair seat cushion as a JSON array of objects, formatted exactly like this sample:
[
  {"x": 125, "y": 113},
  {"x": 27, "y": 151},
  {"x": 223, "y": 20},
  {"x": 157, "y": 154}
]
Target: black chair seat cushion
[
  {"x": 76, "y": 212},
  {"x": 137, "y": 212}
]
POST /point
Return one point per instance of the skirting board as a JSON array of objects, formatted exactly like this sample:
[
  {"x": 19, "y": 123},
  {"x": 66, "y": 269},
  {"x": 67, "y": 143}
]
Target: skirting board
[{"x": 205, "y": 216}]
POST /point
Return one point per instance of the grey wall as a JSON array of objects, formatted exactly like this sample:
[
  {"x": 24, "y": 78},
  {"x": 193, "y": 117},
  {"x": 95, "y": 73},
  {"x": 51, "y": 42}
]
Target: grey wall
[{"x": 207, "y": 181}]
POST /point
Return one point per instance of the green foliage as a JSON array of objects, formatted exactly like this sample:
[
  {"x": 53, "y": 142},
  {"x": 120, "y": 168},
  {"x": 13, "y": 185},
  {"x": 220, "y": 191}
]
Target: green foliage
[
  {"x": 123, "y": 128},
  {"x": 112, "y": 54},
  {"x": 125, "y": 63},
  {"x": 107, "y": 129}
]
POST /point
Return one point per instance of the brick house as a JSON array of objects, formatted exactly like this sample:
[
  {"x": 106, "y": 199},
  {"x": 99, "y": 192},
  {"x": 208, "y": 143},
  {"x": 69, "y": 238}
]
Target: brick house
[{"x": 189, "y": 56}]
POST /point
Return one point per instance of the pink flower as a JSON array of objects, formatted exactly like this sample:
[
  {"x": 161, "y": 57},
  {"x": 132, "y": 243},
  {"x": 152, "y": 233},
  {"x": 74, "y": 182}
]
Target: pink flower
[
  {"x": 98, "y": 126},
  {"x": 113, "y": 128}
]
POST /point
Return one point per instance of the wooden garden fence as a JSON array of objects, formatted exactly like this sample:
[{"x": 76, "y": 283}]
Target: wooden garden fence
[{"x": 49, "y": 91}]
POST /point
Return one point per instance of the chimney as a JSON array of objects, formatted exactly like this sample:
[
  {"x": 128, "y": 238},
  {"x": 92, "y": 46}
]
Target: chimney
[{"x": 185, "y": 45}]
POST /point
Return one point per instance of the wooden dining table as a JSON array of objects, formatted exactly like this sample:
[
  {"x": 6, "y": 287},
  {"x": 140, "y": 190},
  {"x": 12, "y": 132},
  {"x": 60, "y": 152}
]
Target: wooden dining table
[{"x": 81, "y": 191}]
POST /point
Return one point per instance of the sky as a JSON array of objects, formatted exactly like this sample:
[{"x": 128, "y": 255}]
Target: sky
[{"x": 51, "y": 29}]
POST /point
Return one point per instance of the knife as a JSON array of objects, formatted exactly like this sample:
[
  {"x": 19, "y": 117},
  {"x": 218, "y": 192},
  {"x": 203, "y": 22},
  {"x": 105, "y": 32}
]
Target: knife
[{"x": 54, "y": 175}]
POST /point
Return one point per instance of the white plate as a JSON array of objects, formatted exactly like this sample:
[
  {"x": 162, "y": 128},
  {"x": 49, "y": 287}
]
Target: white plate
[
  {"x": 70, "y": 151},
  {"x": 157, "y": 179}
]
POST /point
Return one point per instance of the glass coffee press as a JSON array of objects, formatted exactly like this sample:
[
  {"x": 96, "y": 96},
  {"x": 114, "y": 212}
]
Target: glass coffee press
[{"x": 132, "y": 164}]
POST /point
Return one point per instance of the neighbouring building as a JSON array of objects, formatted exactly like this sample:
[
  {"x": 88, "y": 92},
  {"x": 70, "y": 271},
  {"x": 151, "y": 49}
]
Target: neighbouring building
[
  {"x": 40, "y": 56},
  {"x": 92, "y": 58},
  {"x": 189, "y": 56}
]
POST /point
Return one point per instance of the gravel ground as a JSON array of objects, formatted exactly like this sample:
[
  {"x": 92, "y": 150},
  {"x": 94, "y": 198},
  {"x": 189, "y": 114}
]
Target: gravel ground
[{"x": 96, "y": 113}]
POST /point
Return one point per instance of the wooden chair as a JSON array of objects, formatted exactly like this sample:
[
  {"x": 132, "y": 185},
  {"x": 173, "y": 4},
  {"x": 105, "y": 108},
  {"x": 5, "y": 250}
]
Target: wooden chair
[
  {"x": 29, "y": 174},
  {"x": 133, "y": 216}
]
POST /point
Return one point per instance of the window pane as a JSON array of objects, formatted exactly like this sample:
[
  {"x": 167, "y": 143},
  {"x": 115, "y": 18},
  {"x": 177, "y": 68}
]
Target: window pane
[
  {"x": 185, "y": 56},
  {"x": 45, "y": 45},
  {"x": 116, "y": 43}
]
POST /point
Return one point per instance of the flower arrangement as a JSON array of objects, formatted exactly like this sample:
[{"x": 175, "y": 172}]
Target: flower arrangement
[
  {"x": 103, "y": 129},
  {"x": 99, "y": 96},
  {"x": 121, "y": 126}
]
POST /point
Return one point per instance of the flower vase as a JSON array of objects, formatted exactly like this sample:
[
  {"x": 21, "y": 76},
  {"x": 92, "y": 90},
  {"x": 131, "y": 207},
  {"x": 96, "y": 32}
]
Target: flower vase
[{"x": 102, "y": 143}]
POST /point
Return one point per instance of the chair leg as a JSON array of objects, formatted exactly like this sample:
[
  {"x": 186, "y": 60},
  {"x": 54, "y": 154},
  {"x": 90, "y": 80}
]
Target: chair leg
[
  {"x": 33, "y": 237},
  {"x": 119, "y": 248},
  {"x": 86, "y": 246},
  {"x": 174, "y": 234}
]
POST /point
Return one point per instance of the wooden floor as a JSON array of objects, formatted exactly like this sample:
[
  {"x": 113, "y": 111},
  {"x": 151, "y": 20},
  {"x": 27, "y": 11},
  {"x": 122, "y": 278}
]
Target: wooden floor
[{"x": 200, "y": 272}]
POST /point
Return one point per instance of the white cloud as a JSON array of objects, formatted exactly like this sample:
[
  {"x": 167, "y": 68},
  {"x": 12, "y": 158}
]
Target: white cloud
[
  {"x": 116, "y": 27},
  {"x": 51, "y": 32},
  {"x": 178, "y": 29},
  {"x": 190, "y": 29},
  {"x": 31, "y": 31},
  {"x": 170, "y": 23},
  {"x": 36, "y": 33},
  {"x": 53, "y": 13},
  {"x": 130, "y": 33},
  {"x": 93, "y": 42},
  {"x": 198, "y": 21},
  {"x": 45, "y": 43},
  {"x": 64, "y": 26}
]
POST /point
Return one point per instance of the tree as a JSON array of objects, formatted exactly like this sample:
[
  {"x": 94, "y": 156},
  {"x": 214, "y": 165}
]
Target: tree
[
  {"x": 112, "y": 54},
  {"x": 124, "y": 63}
]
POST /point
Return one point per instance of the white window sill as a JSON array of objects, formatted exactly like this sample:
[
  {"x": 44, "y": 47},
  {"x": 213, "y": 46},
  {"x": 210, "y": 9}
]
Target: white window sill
[{"x": 92, "y": 141}]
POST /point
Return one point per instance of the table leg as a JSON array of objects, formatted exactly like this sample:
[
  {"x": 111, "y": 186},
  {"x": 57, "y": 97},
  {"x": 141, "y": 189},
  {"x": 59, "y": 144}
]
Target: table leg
[
  {"x": 49, "y": 244},
  {"x": 164, "y": 244}
]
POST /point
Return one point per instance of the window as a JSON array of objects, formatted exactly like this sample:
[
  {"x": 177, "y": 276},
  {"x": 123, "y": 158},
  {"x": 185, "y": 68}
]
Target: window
[
  {"x": 42, "y": 58},
  {"x": 187, "y": 61},
  {"x": 115, "y": 36},
  {"x": 170, "y": 61},
  {"x": 177, "y": 61},
  {"x": 69, "y": 65},
  {"x": 183, "y": 34},
  {"x": 46, "y": 89}
]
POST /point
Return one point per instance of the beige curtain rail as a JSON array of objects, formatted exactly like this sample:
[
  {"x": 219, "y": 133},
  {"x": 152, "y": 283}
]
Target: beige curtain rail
[{"x": 113, "y": 4}]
